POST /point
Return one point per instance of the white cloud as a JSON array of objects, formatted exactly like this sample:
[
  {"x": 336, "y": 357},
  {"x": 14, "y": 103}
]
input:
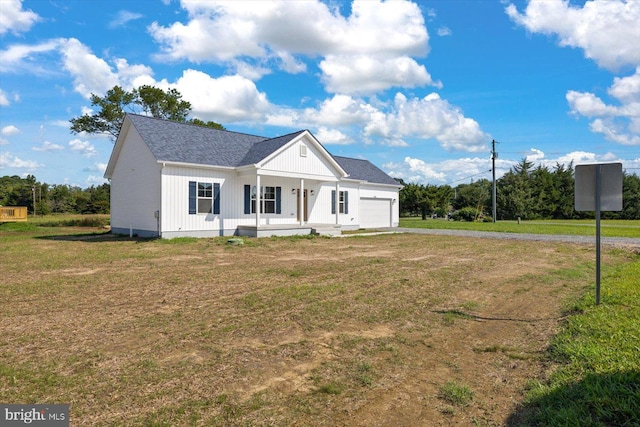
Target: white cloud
[
  {"x": 444, "y": 31},
  {"x": 7, "y": 160},
  {"x": 96, "y": 167},
  {"x": 83, "y": 147},
  {"x": 426, "y": 118},
  {"x": 4, "y": 141},
  {"x": 95, "y": 180},
  {"x": 369, "y": 74},
  {"x": 587, "y": 104},
  {"x": 626, "y": 89},
  {"x": 617, "y": 123},
  {"x": 10, "y": 130},
  {"x": 607, "y": 31},
  {"x": 340, "y": 110},
  {"x": 20, "y": 58},
  {"x": 90, "y": 73},
  {"x": 464, "y": 170},
  {"x": 377, "y": 39},
  {"x": 224, "y": 99},
  {"x": 123, "y": 17},
  {"x": 453, "y": 171},
  {"x": 290, "y": 64},
  {"x": 14, "y": 19},
  {"x": 331, "y": 137},
  {"x": 4, "y": 101},
  {"x": 614, "y": 132},
  {"x": 535, "y": 155},
  {"x": 398, "y": 124},
  {"x": 48, "y": 146}
]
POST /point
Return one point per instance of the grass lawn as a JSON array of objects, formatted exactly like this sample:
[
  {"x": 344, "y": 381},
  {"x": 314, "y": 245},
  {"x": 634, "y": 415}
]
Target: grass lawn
[
  {"x": 367, "y": 330},
  {"x": 598, "y": 356},
  {"x": 609, "y": 228}
]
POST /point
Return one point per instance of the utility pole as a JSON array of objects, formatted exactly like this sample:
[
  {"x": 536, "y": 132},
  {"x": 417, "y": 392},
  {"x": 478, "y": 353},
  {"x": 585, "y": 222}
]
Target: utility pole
[
  {"x": 494, "y": 156},
  {"x": 33, "y": 188}
]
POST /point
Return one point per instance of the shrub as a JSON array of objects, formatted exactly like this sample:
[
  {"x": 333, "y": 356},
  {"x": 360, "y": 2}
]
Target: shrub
[{"x": 465, "y": 214}]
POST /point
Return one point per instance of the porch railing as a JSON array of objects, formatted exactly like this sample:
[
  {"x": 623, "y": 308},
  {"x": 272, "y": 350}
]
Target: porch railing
[{"x": 13, "y": 213}]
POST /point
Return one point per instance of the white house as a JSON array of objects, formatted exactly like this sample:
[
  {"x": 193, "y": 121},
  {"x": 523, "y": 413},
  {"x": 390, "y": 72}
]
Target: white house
[{"x": 173, "y": 179}]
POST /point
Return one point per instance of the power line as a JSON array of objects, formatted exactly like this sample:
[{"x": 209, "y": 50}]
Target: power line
[
  {"x": 467, "y": 177},
  {"x": 494, "y": 156}
]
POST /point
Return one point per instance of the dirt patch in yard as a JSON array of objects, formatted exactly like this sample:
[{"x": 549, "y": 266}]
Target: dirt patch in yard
[{"x": 359, "y": 331}]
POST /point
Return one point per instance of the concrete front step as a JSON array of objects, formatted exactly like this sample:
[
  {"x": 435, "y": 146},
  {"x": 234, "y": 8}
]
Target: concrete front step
[{"x": 326, "y": 231}]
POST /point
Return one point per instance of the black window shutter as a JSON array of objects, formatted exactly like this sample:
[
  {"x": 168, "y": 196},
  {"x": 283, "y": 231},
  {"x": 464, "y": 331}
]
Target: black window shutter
[
  {"x": 333, "y": 201},
  {"x": 346, "y": 202},
  {"x": 216, "y": 198},
  {"x": 247, "y": 199},
  {"x": 192, "y": 197},
  {"x": 278, "y": 200}
]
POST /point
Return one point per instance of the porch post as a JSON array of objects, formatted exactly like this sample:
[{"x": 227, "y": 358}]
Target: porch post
[
  {"x": 301, "y": 202},
  {"x": 257, "y": 201},
  {"x": 337, "y": 202}
]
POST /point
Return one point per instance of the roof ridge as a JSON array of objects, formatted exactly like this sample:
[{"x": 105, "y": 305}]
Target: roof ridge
[
  {"x": 285, "y": 135},
  {"x": 197, "y": 126}
]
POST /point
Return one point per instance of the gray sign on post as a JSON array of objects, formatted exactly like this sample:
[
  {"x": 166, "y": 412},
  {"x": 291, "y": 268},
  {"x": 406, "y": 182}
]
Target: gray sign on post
[
  {"x": 598, "y": 188},
  {"x": 610, "y": 187}
]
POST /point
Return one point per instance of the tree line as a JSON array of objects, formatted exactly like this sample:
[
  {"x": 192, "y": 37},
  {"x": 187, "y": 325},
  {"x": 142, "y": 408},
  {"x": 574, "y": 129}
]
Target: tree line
[
  {"x": 56, "y": 198},
  {"x": 527, "y": 191}
]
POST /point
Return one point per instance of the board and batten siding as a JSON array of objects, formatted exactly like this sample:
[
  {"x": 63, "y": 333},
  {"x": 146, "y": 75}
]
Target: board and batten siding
[
  {"x": 176, "y": 221},
  {"x": 135, "y": 189},
  {"x": 313, "y": 165},
  {"x": 321, "y": 212},
  {"x": 288, "y": 200}
]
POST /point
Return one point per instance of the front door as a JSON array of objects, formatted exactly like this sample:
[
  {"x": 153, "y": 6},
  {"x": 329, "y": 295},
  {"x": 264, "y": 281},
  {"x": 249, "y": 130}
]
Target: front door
[{"x": 304, "y": 206}]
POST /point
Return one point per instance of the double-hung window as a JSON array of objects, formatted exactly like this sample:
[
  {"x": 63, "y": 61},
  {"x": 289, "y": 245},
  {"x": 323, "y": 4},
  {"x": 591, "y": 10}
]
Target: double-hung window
[
  {"x": 267, "y": 200},
  {"x": 270, "y": 199},
  {"x": 343, "y": 202},
  {"x": 204, "y": 198}
]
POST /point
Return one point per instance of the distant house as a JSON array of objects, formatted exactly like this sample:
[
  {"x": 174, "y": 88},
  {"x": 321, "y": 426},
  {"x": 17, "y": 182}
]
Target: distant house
[{"x": 173, "y": 179}]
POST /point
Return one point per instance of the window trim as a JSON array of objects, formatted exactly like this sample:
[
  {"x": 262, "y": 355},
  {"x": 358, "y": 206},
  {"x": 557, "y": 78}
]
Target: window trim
[
  {"x": 342, "y": 201},
  {"x": 205, "y": 194},
  {"x": 250, "y": 200},
  {"x": 195, "y": 197}
]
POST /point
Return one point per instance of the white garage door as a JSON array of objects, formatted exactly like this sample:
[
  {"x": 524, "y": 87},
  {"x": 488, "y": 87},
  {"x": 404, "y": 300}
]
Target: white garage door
[{"x": 375, "y": 213}]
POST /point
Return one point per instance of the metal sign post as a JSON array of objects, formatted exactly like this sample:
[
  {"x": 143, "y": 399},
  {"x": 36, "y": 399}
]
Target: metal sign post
[
  {"x": 598, "y": 187},
  {"x": 598, "y": 203}
]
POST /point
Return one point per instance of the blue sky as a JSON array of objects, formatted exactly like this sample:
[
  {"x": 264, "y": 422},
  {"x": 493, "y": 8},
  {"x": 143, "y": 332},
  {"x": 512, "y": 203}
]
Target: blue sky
[{"x": 419, "y": 88}]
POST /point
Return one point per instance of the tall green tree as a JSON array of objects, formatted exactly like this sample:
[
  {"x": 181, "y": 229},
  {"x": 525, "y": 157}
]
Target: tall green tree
[
  {"x": 110, "y": 116},
  {"x": 475, "y": 195},
  {"x": 167, "y": 105},
  {"x": 150, "y": 100},
  {"x": 514, "y": 198}
]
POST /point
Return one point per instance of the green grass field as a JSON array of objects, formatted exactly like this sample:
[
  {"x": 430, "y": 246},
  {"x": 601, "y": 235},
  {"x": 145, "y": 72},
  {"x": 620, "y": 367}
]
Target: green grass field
[
  {"x": 597, "y": 382},
  {"x": 609, "y": 228},
  {"x": 314, "y": 331}
]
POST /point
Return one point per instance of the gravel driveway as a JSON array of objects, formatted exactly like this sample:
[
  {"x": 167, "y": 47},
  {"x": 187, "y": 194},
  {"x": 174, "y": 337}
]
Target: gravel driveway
[{"x": 588, "y": 240}]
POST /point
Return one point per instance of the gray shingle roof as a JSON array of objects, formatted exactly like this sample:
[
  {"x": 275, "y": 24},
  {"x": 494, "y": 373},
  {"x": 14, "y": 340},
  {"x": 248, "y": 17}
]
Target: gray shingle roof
[
  {"x": 185, "y": 143},
  {"x": 262, "y": 149},
  {"x": 364, "y": 170}
]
